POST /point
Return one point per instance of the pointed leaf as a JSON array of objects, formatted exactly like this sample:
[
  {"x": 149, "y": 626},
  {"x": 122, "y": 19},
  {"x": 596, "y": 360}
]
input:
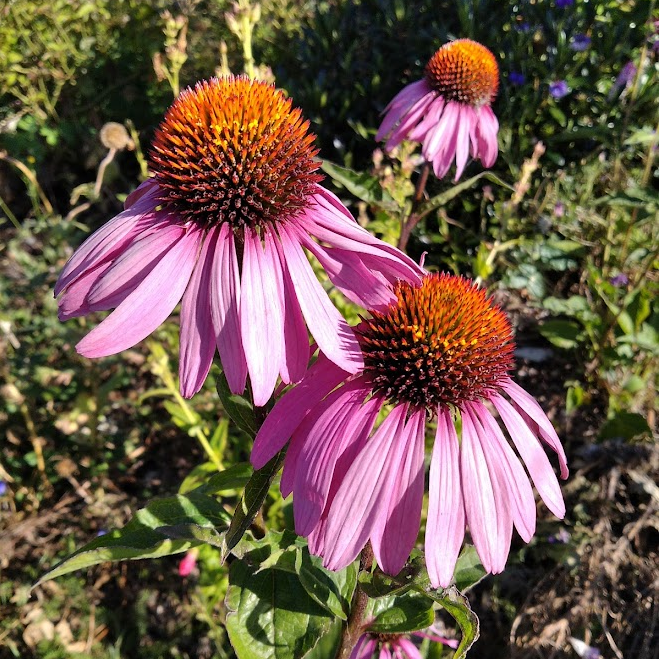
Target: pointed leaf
[
  {"x": 468, "y": 570},
  {"x": 402, "y": 614},
  {"x": 238, "y": 408}
]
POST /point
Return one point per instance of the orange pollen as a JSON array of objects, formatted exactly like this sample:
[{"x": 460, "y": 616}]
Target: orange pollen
[
  {"x": 464, "y": 71},
  {"x": 234, "y": 150},
  {"x": 443, "y": 343}
]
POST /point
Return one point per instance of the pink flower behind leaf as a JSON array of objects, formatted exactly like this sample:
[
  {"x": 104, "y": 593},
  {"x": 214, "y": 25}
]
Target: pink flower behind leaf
[
  {"x": 448, "y": 111},
  {"x": 188, "y": 563},
  {"x": 443, "y": 350},
  {"x": 223, "y": 226}
]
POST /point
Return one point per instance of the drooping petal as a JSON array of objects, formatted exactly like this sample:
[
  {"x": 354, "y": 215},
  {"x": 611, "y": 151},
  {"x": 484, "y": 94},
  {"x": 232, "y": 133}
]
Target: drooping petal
[
  {"x": 332, "y": 333},
  {"x": 486, "y": 133},
  {"x": 348, "y": 273},
  {"x": 533, "y": 455},
  {"x": 408, "y": 122},
  {"x": 261, "y": 317},
  {"x": 225, "y": 310},
  {"x": 197, "y": 336},
  {"x": 73, "y": 302},
  {"x": 510, "y": 472},
  {"x": 445, "y": 527},
  {"x": 363, "y": 494},
  {"x": 437, "y": 137},
  {"x": 147, "y": 188},
  {"x": 110, "y": 240},
  {"x": 433, "y": 115},
  {"x": 395, "y": 532},
  {"x": 410, "y": 650},
  {"x": 462, "y": 141},
  {"x": 324, "y": 443},
  {"x": 490, "y": 522},
  {"x": 296, "y": 338},
  {"x": 400, "y": 105},
  {"x": 130, "y": 268},
  {"x": 148, "y": 305},
  {"x": 363, "y": 648},
  {"x": 292, "y": 407},
  {"x": 532, "y": 410}
]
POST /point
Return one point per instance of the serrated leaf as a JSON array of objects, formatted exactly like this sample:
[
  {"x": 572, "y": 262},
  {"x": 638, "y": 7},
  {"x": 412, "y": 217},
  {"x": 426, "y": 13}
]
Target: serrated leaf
[
  {"x": 457, "y": 605},
  {"x": 239, "y": 409},
  {"x": 142, "y": 538},
  {"x": 401, "y": 614},
  {"x": 270, "y": 615},
  {"x": 468, "y": 570},
  {"x": 256, "y": 490}
]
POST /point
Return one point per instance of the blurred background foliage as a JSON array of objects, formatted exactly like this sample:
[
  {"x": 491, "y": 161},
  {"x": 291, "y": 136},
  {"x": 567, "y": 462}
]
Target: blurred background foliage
[{"x": 564, "y": 235}]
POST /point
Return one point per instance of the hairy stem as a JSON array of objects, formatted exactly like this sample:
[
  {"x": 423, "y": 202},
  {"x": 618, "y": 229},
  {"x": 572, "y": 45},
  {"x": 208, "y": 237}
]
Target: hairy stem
[{"x": 357, "y": 617}]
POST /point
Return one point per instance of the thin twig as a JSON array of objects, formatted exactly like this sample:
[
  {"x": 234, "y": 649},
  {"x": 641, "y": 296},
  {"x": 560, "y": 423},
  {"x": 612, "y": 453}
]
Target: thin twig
[{"x": 414, "y": 218}]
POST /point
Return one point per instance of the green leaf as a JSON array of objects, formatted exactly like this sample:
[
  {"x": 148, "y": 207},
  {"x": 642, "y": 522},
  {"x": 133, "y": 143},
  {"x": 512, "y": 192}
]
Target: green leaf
[
  {"x": 233, "y": 478},
  {"x": 458, "y": 607},
  {"x": 288, "y": 552},
  {"x": 562, "y": 333},
  {"x": 270, "y": 614},
  {"x": 328, "y": 643},
  {"x": 251, "y": 501},
  {"x": 379, "y": 584},
  {"x": 625, "y": 425},
  {"x": 149, "y": 534},
  {"x": 446, "y": 196},
  {"x": 402, "y": 613},
  {"x": 238, "y": 408},
  {"x": 360, "y": 184},
  {"x": 468, "y": 570}
]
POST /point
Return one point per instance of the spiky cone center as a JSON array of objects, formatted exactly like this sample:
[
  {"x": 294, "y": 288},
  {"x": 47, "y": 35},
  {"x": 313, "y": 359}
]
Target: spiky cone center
[
  {"x": 443, "y": 343},
  {"x": 234, "y": 150},
  {"x": 464, "y": 71}
]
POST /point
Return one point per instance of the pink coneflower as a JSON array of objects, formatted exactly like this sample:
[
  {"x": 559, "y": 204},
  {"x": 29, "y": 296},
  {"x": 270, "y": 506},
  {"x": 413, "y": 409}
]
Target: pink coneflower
[
  {"x": 223, "y": 224},
  {"x": 187, "y": 563},
  {"x": 448, "y": 111},
  {"x": 371, "y": 645},
  {"x": 441, "y": 352}
]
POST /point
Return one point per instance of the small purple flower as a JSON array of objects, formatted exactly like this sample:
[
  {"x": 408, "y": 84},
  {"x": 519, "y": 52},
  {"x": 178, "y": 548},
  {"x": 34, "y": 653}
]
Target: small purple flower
[
  {"x": 558, "y": 89},
  {"x": 101, "y": 532},
  {"x": 523, "y": 27},
  {"x": 624, "y": 79},
  {"x": 584, "y": 650},
  {"x": 619, "y": 280},
  {"x": 580, "y": 42},
  {"x": 516, "y": 78},
  {"x": 561, "y": 4},
  {"x": 562, "y": 538},
  {"x": 559, "y": 209},
  {"x": 3, "y": 488}
]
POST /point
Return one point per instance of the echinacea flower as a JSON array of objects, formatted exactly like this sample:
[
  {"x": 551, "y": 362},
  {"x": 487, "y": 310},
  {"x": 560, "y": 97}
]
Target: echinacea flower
[
  {"x": 223, "y": 223},
  {"x": 372, "y": 645},
  {"x": 558, "y": 89},
  {"x": 448, "y": 111},
  {"x": 442, "y": 352}
]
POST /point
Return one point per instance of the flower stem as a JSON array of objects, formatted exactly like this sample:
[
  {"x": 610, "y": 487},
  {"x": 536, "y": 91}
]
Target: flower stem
[
  {"x": 414, "y": 217},
  {"x": 357, "y": 617}
]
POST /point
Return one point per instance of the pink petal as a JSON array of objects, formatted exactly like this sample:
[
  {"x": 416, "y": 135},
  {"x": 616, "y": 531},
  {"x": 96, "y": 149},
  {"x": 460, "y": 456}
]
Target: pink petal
[
  {"x": 533, "y": 411},
  {"x": 331, "y": 431},
  {"x": 486, "y": 133},
  {"x": 334, "y": 336},
  {"x": 437, "y": 137},
  {"x": 363, "y": 494},
  {"x": 408, "y": 122},
  {"x": 510, "y": 472},
  {"x": 261, "y": 317},
  {"x": 291, "y": 408},
  {"x": 400, "y": 105},
  {"x": 130, "y": 267},
  {"x": 110, "y": 240},
  {"x": 225, "y": 310},
  {"x": 197, "y": 336},
  {"x": 490, "y": 522},
  {"x": 409, "y": 648},
  {"x": 73, "y": 302},
  {"x": 395, "y": 532},
  {"x": 462, "y": 141},
  {"x": 296, "y": 338},
  {"x": 534, "y": 457},
  {"x": 149, "y": 305},
  {"x": 433, "y": 115},
  {"x": 147, "y": 188},
  {"x": 349, "y": 274},
  {"x": 446, "y": 516}
]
